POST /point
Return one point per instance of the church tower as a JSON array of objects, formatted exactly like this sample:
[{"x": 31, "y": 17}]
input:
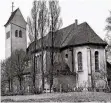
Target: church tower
[{"x": 15, "y": 30}]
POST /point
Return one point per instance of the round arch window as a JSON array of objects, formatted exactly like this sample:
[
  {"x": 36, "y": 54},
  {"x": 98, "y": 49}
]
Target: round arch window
[
  {"x": 20, "y": 34},
  {"x": 16, "y": 33}
]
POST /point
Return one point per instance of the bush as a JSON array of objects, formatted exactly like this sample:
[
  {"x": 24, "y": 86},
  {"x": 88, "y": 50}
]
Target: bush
[
  {"x": 36, "y": 90},
  {"x": 90, "y": 89},
  {"x": 79, "y": 89}
]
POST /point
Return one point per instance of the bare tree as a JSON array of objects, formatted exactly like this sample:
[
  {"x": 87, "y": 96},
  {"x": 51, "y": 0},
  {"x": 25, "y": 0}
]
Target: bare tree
[
  {"x": 18, "y": 60},
  {"x": 55, "y": 23},
  {"x": 108, "y": 29},
  {"x": 7, "y": 73},
  {"x": 32, "y": 21},
  {"x": 108, "y": 20},
  {"x": 41, "y": 19},
  {"x": 42, "y": 29},
  {"x": 33, "y": 31}
]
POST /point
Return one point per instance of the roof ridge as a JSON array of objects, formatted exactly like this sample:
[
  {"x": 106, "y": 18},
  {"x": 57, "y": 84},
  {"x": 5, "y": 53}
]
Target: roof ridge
[{"x": 72, "y": 24}]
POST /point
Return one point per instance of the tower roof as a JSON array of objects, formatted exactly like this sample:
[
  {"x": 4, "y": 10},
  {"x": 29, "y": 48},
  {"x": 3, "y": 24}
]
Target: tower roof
[{"x": 11, "y": 17}]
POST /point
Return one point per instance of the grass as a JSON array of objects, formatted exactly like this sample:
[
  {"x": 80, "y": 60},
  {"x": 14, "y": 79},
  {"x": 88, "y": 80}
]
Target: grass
[{"x": 67, "y": 97}]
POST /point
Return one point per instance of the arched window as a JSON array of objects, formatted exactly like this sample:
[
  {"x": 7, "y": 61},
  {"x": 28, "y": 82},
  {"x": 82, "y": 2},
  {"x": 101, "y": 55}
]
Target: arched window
[
  {"x": 20, "y": 34},
  {"x": 96, "y": 61},
  {"x": 79, "y": 57},
  {"x": 16, "y": 33}
]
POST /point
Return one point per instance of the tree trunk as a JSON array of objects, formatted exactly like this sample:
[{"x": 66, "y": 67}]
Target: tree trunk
[
  {"x": 9, "y": 85},
  {"x": 51, "y": 73},
  {"x": 34, "y": 73},
  {"x": 42, "y": 72},
  {"x": 20, "y": 82},
  {"x": 42, "y": 58}
]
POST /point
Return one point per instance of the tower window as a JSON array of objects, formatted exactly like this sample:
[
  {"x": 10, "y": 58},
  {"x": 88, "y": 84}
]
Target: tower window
[
  {"x": 16, "y": 33},
  {"x": 96, "y": 61},
  {"x": 8, "y": 34},
  {"x": 79, "y": 57},
  {"x": 20, "y": 34}
]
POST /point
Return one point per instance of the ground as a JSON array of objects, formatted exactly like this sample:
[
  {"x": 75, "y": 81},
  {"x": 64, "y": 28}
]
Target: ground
[{"x": 61, "y": 97}]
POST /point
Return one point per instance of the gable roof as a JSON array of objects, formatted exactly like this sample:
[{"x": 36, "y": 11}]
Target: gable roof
[
  {"x": 71, "y": 36},
  {"x": 11, "y": 17}
]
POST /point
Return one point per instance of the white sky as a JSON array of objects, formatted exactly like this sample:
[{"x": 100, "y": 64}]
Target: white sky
[{"x": 94, "y": 12}]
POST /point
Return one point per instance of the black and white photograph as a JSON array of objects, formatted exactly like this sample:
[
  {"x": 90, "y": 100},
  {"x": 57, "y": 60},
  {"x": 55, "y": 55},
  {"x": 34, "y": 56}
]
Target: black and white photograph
[{"x": 55, "y": 51}]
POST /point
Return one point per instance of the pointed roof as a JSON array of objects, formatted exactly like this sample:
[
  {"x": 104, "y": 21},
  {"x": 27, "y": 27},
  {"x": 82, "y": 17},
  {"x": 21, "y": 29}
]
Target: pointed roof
[{"x": 11, "y": 17}]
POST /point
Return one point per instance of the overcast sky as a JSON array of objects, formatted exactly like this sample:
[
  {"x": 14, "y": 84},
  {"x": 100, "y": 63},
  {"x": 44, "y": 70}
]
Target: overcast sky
[{"x": 94, "y": 12}]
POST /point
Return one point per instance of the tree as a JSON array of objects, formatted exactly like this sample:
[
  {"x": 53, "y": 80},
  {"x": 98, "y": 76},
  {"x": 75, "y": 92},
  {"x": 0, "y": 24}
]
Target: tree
[
  {"x": 38, "y": 25},
  {"x": 108, "y": 29},
  {"x": 7, "y": 73},
  {"x": 108, "y": 20},
  {"x": 55, "y": 23},
  {"x": 33, "y": 31},
  {"x": 18, "y": 60},
  {"x": 100, "y": 79},
  {"x": 42, "y": 29}
]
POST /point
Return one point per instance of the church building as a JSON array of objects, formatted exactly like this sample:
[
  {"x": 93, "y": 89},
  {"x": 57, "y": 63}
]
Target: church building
[
  {"x": 79, "y": 47},
  {"x": 78, "y": 50}
]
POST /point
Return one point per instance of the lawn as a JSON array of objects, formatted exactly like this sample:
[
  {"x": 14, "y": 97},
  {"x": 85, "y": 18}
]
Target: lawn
[{"x": 61, "y": 97}]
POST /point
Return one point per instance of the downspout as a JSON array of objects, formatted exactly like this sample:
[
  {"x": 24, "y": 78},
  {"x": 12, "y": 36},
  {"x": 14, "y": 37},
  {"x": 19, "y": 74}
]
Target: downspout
[
  {"x": 72, "y": 59},
  {"x": 91, "y": 70}
]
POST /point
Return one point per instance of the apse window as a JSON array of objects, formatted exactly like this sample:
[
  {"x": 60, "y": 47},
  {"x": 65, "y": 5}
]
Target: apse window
[
  {"x": 20, "y": 34},
  {"x": 8, "y": 34},
  {"x": 16, "y": 33},
  {"x": 79, "y": 57}
]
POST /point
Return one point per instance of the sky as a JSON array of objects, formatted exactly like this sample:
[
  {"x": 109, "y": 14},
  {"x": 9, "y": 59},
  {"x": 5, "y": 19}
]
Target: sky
[{"x": 94, "y": 12}]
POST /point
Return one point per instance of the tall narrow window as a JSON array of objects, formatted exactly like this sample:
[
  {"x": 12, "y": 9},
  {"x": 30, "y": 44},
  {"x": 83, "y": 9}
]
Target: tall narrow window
[
  {"x": 96, "y": 61},
  {"x": 20, "y": 34},
  {"x": 79, "y": 57},
  {"x": 8, "y": 34},
  {"x": 16, "y": 33}
]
